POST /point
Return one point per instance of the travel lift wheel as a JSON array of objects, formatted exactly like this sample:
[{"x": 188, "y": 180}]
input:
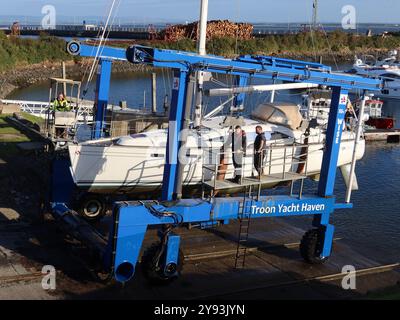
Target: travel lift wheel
[
  {"x": 92, "y": 207},
  {"x": 154, "y": 270},
  {"x": 311, "y": 246}
]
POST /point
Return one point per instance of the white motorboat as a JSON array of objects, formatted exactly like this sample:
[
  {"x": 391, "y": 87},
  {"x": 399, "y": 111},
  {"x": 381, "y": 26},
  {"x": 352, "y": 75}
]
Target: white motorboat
[
  {"x": 135, "y": 163},
  {"x": 387, "y": 69}
]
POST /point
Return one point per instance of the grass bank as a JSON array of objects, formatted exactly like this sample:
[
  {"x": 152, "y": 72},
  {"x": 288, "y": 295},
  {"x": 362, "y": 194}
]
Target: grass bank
[
  {"x": 9, "y": 138},
  {"x": 32, "y": 118},
  {"x": 26, "y": 61},
  {"x": 20, "y": 52},
  {"x": 336, "y": 44},
  {"x": 8, "y": 133}
]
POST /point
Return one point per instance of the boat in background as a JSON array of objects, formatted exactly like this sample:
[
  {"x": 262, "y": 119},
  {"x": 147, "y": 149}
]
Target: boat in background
[
  {"x": 316, "y": 105},
  {"x": 377, "y": 120},
  {"x": 388, "y": 69}
]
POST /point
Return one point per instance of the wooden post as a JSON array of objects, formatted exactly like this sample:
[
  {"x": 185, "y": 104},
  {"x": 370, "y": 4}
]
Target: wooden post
[
  {"x": 64, "y": 76},
  {"x": 154, "y": 92}
]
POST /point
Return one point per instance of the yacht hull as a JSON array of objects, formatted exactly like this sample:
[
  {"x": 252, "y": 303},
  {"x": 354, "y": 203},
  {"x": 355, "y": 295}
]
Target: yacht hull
[{"x": 139, "y": 170}]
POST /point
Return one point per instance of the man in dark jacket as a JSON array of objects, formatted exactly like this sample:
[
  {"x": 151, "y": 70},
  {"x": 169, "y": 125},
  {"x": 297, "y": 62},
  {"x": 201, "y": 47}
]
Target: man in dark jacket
[
  {"x": 238, "y": 141},
  {"x": 260, "y": 147}
]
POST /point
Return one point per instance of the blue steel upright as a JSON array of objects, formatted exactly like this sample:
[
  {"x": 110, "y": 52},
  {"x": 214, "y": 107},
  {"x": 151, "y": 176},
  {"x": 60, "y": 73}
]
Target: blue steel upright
[
  {"x": 241, "y": 81},
  {"x": 333, "y": 139},
  {"x": 330, "y": 160},
  {"x": 105, "y": 55},
  {"x": 101, "y": 99},
  {"x": 178, "y": 99}
]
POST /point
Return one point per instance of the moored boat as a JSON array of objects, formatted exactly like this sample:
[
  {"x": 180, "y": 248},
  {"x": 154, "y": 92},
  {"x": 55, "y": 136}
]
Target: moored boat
[{"x": 135, "y": 163}]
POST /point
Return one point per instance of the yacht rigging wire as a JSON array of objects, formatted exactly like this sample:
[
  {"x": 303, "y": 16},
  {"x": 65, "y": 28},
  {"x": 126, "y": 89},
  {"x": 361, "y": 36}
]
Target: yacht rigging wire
[
  {"x": 103, "y": 38},
  {"x": 312, "y": 30},
  {"x": 91, "y": 53},
  {"x": 330, "y": 47}
]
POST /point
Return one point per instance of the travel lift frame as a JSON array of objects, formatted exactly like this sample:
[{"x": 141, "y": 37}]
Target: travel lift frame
[{"x": 131, "y": 219}]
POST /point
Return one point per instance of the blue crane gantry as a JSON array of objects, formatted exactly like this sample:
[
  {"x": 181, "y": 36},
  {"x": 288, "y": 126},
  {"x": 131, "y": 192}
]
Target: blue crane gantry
[{"x": 131, "y": 219}]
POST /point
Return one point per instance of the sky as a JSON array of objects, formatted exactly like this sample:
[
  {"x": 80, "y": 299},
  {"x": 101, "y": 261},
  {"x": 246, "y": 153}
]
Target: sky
[{"x": 146, "y": 11}]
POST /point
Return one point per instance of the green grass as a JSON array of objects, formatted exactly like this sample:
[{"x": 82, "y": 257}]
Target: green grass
[
  {"x": 16, "y": 51},
  {"x": 6, "y": 128},
  {"x": 304, "y": 43},
  {"x": 9, "y": 138},
  {"x": 32, "y": 118}
]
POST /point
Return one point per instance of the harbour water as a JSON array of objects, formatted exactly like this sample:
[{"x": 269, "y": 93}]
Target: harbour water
[{"x": 373, "y": 224}]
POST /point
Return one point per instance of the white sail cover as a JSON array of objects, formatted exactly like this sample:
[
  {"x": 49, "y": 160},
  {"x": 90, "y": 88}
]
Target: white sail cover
[{"x": 281, "y": 113}]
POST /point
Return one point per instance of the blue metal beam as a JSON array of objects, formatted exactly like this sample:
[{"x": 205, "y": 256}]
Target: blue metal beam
[
  {"x": 257, "y": 66},
  {"x": 76, "y": 48},
  {"x": 135, "y": 217},
  {"x": 101, "y": 99}
]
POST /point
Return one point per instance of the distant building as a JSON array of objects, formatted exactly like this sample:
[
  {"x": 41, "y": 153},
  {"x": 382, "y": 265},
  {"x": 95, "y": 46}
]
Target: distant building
[{"x": 89, "y": 27}]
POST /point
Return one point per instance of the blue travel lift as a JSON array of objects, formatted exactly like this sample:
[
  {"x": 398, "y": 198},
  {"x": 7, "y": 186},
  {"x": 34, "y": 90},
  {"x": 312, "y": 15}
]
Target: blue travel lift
[{"x": 163, "y": 262}]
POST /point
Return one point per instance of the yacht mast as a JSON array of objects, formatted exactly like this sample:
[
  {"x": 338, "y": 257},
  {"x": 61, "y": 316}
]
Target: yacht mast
[
  {"x": 201, "y": 49},
  {"x": 315, "y": 15},
  {"x": 201, "y": 45}
]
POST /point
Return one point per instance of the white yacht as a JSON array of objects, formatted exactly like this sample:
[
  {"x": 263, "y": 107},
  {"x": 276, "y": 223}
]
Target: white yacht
[{"x": 135, "y": 163}]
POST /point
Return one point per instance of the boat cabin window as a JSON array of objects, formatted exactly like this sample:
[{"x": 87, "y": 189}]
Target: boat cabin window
[
  {"x": 138, "y": 135},
  {"x": 279, "y": 136},
  {"x": 352, "y": 71},
  {"x": 375, "y": 106},
  {"x": 390, "y": 76}
]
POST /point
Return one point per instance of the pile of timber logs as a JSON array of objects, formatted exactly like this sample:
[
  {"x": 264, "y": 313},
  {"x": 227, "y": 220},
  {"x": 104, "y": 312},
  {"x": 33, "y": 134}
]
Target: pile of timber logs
[{"x": 215, "y": 29}]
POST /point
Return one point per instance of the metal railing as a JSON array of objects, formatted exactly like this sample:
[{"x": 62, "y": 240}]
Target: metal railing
[
  {"x": 40, "y": 108},
  {"x": 279, "y": 163}
]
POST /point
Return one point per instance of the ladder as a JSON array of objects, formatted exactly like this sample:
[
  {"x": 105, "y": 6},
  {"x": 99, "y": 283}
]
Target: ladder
[{"x": 244, "y": 225}]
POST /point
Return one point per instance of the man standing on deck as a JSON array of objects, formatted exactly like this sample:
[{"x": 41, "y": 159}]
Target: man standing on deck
[
  {"x": 239, "y": 142},
  {"x": 260, "y": 147}
]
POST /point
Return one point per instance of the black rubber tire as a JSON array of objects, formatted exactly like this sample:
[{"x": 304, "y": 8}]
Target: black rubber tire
[
  {"x": 311, "y": 246},
  {"x": 92, "y": 207},
  {"x": 152, "y": 272}
]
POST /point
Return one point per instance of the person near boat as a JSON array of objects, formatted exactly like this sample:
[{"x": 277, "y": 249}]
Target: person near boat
[
  {"x": 350, "y": 116},
  {"x": 61, "y": 104},
  {"x": 237, "y": 139},
  {"x": 260, "y": 147}
]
